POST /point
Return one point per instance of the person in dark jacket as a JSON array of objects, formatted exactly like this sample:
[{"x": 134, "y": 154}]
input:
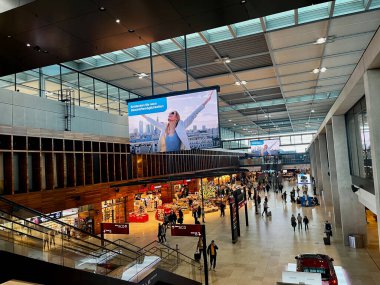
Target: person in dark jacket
[{"x": 212, "y": 251}]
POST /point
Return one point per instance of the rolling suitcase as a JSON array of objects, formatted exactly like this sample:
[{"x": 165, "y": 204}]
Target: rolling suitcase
[
  {"x": 326, "y": 240},
  {"x": 269, "y": 214}
]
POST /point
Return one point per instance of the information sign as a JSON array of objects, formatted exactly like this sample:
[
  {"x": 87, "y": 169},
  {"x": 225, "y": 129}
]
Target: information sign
[{"x": 186, "y": 230}]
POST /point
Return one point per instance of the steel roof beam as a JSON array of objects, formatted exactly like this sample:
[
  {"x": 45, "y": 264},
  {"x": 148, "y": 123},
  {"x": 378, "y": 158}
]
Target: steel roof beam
[
  {"x": 276, "y": 71},
  {"x": 275, "y": 102}
]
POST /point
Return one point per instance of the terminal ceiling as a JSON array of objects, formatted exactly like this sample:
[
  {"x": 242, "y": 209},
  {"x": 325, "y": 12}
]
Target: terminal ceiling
[{"x": 274, "y": 55}]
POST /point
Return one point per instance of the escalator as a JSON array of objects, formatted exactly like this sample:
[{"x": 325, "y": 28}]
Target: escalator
[{"x": 74, "y": 249}]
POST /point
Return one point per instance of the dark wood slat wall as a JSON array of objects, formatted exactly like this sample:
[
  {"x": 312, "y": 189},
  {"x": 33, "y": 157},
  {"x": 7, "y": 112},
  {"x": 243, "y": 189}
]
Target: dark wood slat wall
[{"x": 82, "y": 172}]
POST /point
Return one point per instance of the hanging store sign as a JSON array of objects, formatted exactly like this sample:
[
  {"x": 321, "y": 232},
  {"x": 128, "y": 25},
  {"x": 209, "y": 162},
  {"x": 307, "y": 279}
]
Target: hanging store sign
[
  {"x": 114, "y": 228},
  {"x": 186, "y": 230}
]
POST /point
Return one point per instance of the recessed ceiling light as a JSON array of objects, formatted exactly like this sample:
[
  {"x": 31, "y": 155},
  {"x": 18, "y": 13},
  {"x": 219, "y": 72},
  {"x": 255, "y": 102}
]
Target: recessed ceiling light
[
  {"x": 131, "y": 30},
  {"x": 45, "y": 51},
  {"x": 312, "y": 110},
  {"x": 28, "y": 44},
  {"x": 243, "y": 1},
  {"x": 118, "y": 21},
  {"x": 316, "y": 70},
  {"x": 102, "y": 8},
  {"x": 323, "y": 69},
  {"x": 229, "y": 120},
  {"x": 268, "y": 116},
  {"x": 9, "y": 36},
  {"x": 244, "y": 82},
  {"x": 234, "y": 124},
  {"x": 141, "y": 75},
  {"x": 320, "y": 41},
  {"x": 237, "y": 83},
  {"x": 226, "y": 59}
]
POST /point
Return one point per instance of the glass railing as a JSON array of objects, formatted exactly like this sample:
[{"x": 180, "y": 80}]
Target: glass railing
[
  {"x": 59, "y": 243},
  {"x": 157, "y": 255},
  {"x": 30, "y": 233}
]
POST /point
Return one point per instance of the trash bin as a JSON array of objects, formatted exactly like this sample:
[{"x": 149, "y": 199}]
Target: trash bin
[{"x": 355, "y": 241}]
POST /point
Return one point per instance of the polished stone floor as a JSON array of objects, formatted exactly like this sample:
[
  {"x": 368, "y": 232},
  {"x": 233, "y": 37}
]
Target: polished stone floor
[{"x": 268, "y": 245}]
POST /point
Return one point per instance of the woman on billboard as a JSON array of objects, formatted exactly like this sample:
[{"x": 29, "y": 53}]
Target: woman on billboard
[{"x": 173, "y": 135}]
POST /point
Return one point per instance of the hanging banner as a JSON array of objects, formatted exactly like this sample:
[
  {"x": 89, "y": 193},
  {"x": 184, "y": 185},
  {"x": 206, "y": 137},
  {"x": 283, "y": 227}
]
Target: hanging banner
[
  {"x": 186, "y": 230},
  {"x": 114, "y": 228}
]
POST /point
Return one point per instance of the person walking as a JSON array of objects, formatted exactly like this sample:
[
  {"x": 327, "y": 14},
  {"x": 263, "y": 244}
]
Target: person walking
[
  {"x": 159, "y": 236},
  {"x": 265, "y": 208},
  {"x": 200, "y": 247},
  {"x": 180, "y": 217},
  {"x": 212, "y": 250},
  {"x": 163, "y": 234},
  {"x": 284, "y": 196},
  {"x": 306, "y": 222},
  {"x": 222, "y": 207},
  {"x": 299, "y": 221},
  {"x": 293, "y": 222}
]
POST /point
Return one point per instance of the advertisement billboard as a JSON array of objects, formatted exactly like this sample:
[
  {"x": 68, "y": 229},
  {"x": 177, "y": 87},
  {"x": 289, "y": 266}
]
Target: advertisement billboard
[
  {"x": 176, "y": 122},
  {"x": 303, "y": 179},
  {"x": 265, "y": 147}
]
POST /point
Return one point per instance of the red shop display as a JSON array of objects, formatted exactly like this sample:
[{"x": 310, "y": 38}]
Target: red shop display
[
  {"x": 141, "y": 218},
  {"x": 161, "y": 211}
]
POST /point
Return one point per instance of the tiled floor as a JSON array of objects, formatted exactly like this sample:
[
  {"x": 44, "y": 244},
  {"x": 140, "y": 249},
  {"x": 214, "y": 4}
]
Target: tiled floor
[{"x": 267, "y": 245}]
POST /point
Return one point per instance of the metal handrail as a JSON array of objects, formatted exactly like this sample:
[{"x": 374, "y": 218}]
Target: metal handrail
[{"x": 64, "y": 224}]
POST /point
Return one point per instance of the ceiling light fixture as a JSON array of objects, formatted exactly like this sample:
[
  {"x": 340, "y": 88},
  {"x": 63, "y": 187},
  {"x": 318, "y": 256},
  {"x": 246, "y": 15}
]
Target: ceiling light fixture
[
  {"x": 229, "y": 120},
  {"x": 118, "y": 21},
  {"x": 268, "y": 116},
  {"x": 28, "y": 44},
  {"x": 131, "y": 30},
  {"x": 244, "y": 82},
  {"x": 226, "y": 59},
  {"x": 234, "y": 124},
  {"x": 243, "y": 1},
  {"x": 312, "y": 110},
  {"x": 102, "y": 8},
  {"x": 318, "y": 70},
  {"x": 9, "y": 36},
  {"x": 320, "y": 41},
  {"x": 141, "y": 75},
  {"x": 237, "y": 83}
]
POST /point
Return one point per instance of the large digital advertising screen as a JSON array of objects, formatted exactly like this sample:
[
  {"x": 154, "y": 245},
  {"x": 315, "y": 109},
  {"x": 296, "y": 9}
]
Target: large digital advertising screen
[
  {"x": 265, "y": 147},
  {"x": 303, "y": 179},
  {"x": 174, "y": 122}
]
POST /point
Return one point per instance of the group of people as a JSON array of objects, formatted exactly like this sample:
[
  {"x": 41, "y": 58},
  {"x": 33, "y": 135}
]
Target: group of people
[
  {"x": 211, "y": 251},
  {"x": 294, "y": 221}
]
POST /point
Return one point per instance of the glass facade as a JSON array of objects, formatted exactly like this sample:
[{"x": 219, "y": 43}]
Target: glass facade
[
  {"x": 86, "y": 91},
  {"x": 358, "y": 138}
]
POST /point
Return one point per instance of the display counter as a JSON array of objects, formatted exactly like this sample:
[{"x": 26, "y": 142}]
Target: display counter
[{"x": 138, "y": 218}]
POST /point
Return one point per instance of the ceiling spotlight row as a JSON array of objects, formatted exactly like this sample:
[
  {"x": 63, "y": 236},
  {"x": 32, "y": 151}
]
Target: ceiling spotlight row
[
  {"x": 117, "y": 20},
  {"x": 318, "y": 70}
]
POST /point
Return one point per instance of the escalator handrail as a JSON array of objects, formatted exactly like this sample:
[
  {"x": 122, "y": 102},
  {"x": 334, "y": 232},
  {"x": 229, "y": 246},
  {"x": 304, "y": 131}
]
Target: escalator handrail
[
  {"x": 63, "y": 223},
  {"x": 168, "y": 247}
]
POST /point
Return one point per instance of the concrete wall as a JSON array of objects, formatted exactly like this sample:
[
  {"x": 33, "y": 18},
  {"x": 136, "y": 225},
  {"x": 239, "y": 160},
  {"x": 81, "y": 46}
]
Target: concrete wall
[{"x": 17, "y": 109}]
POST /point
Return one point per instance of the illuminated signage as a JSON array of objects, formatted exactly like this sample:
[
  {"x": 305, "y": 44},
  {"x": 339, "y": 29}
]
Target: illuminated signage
[{"x": 186, "y": 230}]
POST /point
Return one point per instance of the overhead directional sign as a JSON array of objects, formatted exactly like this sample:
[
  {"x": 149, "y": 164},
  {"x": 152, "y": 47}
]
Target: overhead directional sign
[
  {"x": 114, "y": 228},
  {"x": 186, "y": 230}
]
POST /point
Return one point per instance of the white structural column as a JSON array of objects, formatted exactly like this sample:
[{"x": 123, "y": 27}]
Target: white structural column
[
  {"x": 312, "y": 161},
  {"x": 333, "y": 179},
  {"x": 318, "y": 166},
  {"x": 372, "y": 96},
  {"x": 352, "y": 211},
  {"x": 325, "y": 170}
]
